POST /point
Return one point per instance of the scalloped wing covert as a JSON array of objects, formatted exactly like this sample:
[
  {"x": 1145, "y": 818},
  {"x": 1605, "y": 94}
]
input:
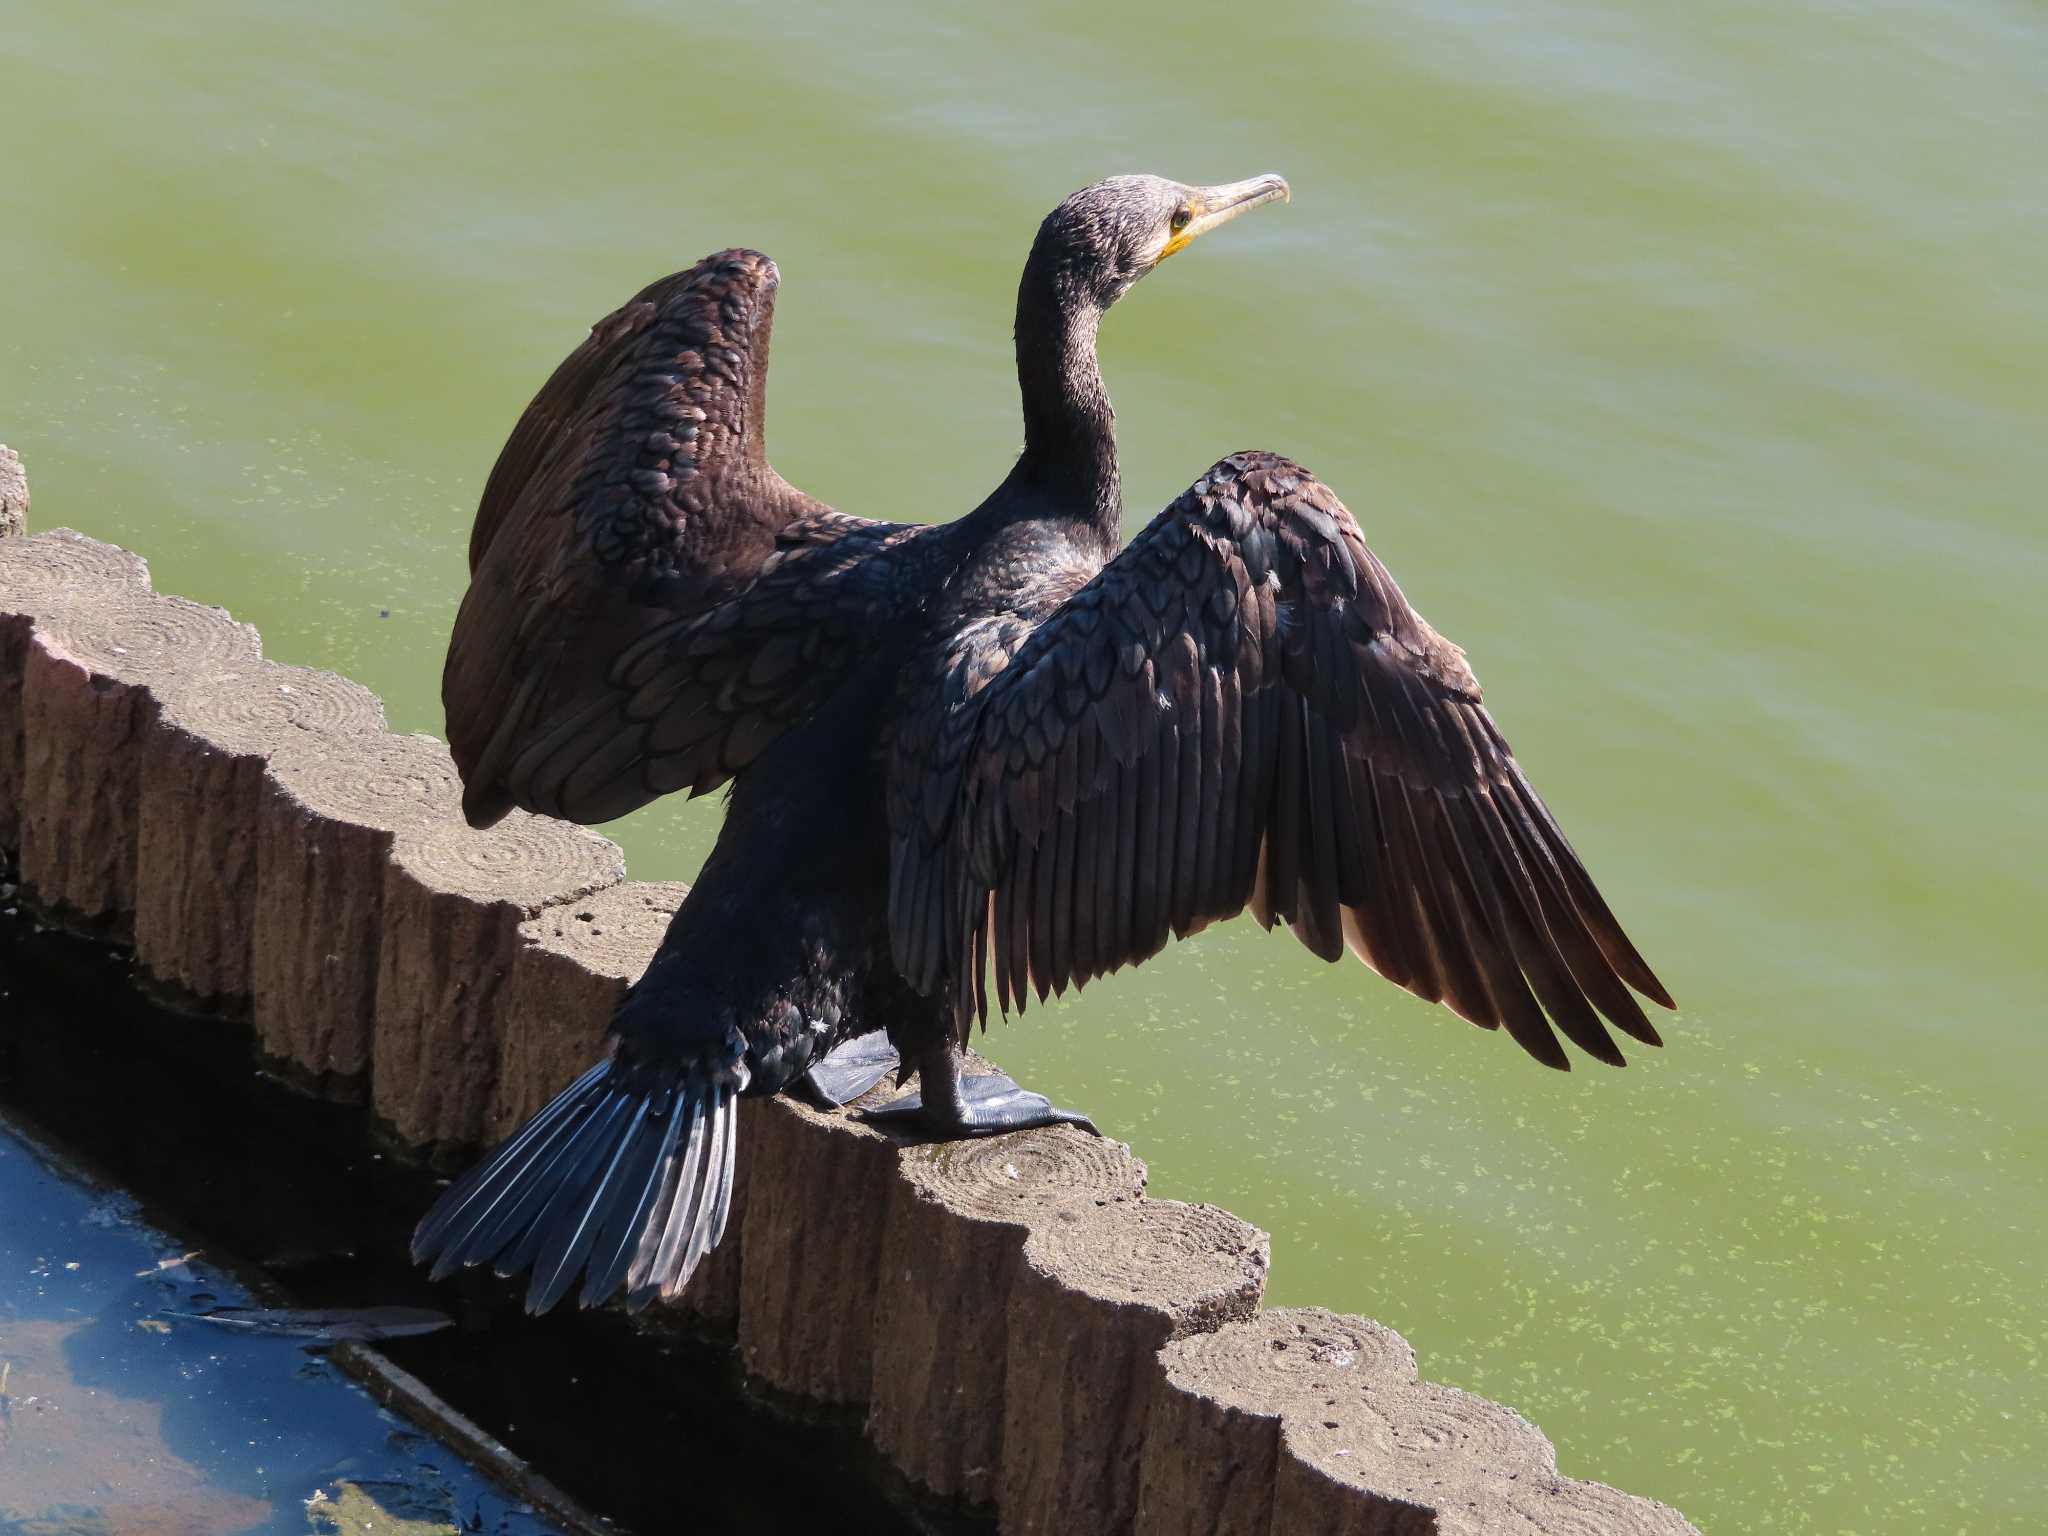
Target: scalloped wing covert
[
  {"x": 1242, "y": 709},
  {"x": 693, "y": 701},
  {"x": 632, "y": 496}
]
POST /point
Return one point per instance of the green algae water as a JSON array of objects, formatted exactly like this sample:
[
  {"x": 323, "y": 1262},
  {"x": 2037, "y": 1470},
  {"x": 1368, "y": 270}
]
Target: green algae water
[{"x": 1687, "y": 365}]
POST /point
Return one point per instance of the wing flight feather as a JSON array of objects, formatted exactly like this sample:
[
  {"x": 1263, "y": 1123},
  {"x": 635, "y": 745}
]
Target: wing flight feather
[{"x": 1241, "y": 709}]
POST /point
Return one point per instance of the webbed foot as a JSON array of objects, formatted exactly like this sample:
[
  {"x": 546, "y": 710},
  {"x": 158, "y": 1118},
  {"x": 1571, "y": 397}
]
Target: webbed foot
[
  {"x": 848, "y": 1072},
  {"x": 950, "y": 1106}
]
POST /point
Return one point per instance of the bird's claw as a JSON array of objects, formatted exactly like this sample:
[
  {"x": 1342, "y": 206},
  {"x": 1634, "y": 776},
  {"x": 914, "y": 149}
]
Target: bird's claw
[{"x": 989, "y": 1105}]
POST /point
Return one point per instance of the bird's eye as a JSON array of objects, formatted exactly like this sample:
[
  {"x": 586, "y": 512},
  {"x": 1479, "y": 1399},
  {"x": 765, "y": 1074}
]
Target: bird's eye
[{"x": 1180, "y": 220}]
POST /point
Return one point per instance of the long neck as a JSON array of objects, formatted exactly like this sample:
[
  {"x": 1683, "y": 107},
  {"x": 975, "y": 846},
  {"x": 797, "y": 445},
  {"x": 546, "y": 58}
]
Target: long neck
[{"x": 1069, "y": 424}]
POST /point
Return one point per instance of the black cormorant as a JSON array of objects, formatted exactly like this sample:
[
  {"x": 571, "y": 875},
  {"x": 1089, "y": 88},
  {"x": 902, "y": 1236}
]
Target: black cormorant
[{"x": 999, "y": 749}]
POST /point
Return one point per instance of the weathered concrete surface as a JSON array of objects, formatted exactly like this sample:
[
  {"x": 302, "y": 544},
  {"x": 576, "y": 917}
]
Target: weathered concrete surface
[
  {"x": 571, "y": 968},
  {"x": 202, "y": 791},
  {"x": 17, "y": 630},
  {"x": 959, "y": 1215},
  {"x": 328, "y": 818},
  {"x": 1212, "y": 1451},
  {"x": 454, "y": 899},
  {"x": 1569, "y": 1507},
  {"x": 87, "y": 705},
  {"x": 1304, "y": 1420},
  {"x": 47, "y": 573},
  {"x": 811, "y": 1241},
  {"x": 1404, "y": 1456},
  {"x": 1101, "y": 1290},
  {"x": 13, "y": 495},
  {"x": 40, "y": 577}
]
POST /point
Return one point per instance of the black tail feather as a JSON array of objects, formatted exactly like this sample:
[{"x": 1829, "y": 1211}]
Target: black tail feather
[
  {"x": 624, "y": 1178},
  {"x": 459, "y": 1229},
  {"x": 631, "y": 1200}
]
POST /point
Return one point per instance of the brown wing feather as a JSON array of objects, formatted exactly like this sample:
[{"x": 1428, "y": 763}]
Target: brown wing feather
[
  {"x": 692, "y": 701},
  {"x": 633, "y": 492},
  {"x": 1298, "y": 741}
]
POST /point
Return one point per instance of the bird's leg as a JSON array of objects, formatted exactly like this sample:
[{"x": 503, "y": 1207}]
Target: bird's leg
[
  {"x": 850, "y": 1071},
  {"x": 950, "y": 1106}
]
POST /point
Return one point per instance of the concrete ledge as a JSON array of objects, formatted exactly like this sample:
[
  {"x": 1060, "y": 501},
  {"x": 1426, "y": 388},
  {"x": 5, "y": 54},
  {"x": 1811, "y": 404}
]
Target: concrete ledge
[
  {"x": 1101, "y": 1290},
  {"x": 1020, "y": 1326},
  {"x": 453, "y": 903},
  {"x": 89, "y": 689},
  {"x": 324, "y": 832},
  {"x": 953, "y": 1241},
  {"x": 202, "y": 793},
  {"x": 1213, "y": 1453},
  {"x": 1302, "y": 1420},
  {"x": 42, "y": 578},
  {"x": 810, "y": 1248},
  {"x": 13, "y": 494},
  {"x": 568, "y": 973}
]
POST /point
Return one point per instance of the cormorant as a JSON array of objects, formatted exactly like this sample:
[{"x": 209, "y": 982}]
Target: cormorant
[{"x": 999, "y": 744}]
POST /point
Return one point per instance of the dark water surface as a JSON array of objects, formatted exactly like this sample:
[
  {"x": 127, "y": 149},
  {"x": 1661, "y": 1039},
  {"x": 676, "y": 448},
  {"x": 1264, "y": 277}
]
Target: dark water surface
[
  {"x": 120, "y": 1413},
  {"x": 1686, "y": 364}
]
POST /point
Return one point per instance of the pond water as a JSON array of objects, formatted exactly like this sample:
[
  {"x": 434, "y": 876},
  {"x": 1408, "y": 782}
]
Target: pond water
[
  {"x": 122, "y": 1413},
  {"x": 1687, "y": 367}
]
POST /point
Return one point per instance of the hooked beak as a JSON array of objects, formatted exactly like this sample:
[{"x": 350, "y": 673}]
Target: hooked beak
[{"x": 1219, "y": 205}]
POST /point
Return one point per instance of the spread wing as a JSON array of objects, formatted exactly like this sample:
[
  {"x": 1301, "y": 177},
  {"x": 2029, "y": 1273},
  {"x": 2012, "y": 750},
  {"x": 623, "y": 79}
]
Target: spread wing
[
  {"x": 634, "y": 494},
  {"x": 696, "y": 699},
  {"x": 1242, "y": 709}
]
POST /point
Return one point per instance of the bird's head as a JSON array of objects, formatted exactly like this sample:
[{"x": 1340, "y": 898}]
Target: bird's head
[{"x": 1105, "y": 237}]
